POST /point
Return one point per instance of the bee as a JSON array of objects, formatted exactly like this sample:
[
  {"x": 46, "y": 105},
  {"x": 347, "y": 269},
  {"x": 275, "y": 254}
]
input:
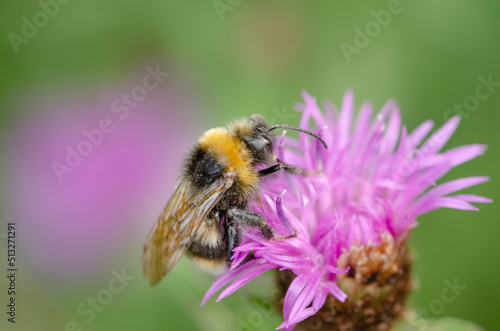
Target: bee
[{"x": 205, "y": 215}]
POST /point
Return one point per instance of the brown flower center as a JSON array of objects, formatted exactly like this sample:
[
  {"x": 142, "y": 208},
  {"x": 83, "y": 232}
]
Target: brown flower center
[{"x": 377, "y": 286}]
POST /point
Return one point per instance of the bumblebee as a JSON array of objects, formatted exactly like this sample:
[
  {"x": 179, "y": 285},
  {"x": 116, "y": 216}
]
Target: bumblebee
[{"x": 206, "y": 214}]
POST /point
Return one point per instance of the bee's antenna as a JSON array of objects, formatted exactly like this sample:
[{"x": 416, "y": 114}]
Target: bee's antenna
[{"x": 283, "y": 126}]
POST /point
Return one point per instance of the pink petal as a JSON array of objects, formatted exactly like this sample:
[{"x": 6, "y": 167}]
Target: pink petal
[
  {"x": 281, "y": 213},
  {"x": 455, "y": 185},
  {"x": 245, "y": 278},
  {"x": 238, "y": 257},
  {"x": 289, "y": 262},
  {"x": 459, "y": 155},
  {"x": 441, "y": 136},
  {"x": 226, "y": 278},
  {"x": 288, "y": 328},
  {"x": 417, "y": 135},
  {"x": 386, "y": 110},
  {"x": 392, "y": 132},
  {"x": 362, "y": 122},
  {"x": 346, "y": 114},
  {"x": 472, "y": 198},
  {"x": 320, "y": 298},
  {"x": 335, "y": 270},
  {"x": 293, "y": 292},
  {"x": 442, "y": 202},
  {"x": 305, "y": 298},
  {"x": 336, "y": 292}
]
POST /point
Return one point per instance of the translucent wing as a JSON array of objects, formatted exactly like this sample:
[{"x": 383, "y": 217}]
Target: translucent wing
[{"x": 172, "y": 233}]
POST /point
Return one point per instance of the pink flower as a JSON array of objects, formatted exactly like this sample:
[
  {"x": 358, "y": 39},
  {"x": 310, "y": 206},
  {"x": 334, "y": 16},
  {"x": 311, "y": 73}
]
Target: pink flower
[{"x": 373, "y": 181}]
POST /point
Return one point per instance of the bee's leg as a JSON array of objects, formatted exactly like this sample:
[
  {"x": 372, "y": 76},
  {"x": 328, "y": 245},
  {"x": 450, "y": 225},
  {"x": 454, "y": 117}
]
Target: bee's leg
[
  {"x": 240, "y": 218},
  {"x": 277, "y": 167},
  {"x": 233, "y": 240},
  {"x": 234, "y": 237}
]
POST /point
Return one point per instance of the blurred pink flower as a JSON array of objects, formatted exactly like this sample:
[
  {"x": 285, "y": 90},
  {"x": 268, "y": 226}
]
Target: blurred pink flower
[
  {"x": 372, "y": 182},
  {"x": 71, "y": 223}
]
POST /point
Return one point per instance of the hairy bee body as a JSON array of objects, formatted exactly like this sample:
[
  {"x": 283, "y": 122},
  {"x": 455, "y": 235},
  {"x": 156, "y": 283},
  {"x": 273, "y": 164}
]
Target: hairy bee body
[
  {"x": 220, "y": 150},
  {"x": 206, "y": 213}
]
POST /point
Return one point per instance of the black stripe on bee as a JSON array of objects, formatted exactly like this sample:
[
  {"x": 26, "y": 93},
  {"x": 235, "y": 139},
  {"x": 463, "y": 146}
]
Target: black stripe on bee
[{"x": 202, "y": 168}]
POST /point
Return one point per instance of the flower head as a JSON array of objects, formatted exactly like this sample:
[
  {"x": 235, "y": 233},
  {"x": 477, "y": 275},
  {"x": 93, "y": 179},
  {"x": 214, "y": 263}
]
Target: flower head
[{"x": 349, "y": 215}]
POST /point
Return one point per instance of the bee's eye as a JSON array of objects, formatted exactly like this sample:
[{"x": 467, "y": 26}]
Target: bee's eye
[
  {"x": 260, "y": 143},
  {"x": 257, "y": 144}
]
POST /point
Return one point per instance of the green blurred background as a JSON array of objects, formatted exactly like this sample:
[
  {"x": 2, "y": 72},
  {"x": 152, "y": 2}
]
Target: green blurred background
[{"x": 232, "y": 59}]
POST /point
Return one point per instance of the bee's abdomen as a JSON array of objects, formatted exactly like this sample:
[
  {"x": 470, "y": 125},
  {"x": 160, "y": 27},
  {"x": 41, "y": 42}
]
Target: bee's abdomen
[{"x": 209, "y": 242}]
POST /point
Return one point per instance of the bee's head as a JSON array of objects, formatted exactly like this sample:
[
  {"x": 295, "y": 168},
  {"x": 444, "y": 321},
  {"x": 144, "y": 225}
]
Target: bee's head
[{"x": 261, "y": 139}]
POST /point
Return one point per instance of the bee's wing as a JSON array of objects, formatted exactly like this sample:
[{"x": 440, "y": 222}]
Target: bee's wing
[{"x": 171, "y": 235}]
